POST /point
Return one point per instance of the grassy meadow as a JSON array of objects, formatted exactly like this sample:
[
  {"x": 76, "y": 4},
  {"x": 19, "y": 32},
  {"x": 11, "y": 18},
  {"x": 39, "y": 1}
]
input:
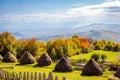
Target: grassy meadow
[
  {"x": 111, "y": 56},
  {"x": 75, "y": 75}
]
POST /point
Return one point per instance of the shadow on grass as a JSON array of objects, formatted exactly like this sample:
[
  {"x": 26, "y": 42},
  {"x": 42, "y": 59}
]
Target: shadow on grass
[
  {"x": 38, "y": 66},
  {"x": 28, "y": 65}
]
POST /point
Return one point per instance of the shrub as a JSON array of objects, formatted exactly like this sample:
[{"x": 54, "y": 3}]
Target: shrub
[
  {"x": 85, "y": 50},
  {"x": 103, "y": 57},
  {"x": 98, "y": 47},
  {"x": 95, "y": 56}
]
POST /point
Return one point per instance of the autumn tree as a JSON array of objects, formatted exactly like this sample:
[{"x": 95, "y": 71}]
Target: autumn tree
[
  {"x": 42, "y": 47},
  {"x": 59, "y": 47},
  {"x": 97, "y": 47},
  {"x": 7, "y": 43},
  {"x": 30, "y": 45},
  {"x": 75, "y": 36},
  {"x": 117, "y": 47}
]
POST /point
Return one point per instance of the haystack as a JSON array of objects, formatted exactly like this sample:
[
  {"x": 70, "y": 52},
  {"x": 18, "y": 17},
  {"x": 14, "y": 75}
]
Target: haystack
[
  {"x": 9, "y": 57},
  {"x": 44, "y": 60},
  {"x": 117, "y": 74},
  {"x": 67, "y": 59},
  {"x": 63, "y": 65},
  {"x": 1, "y": 57},
  {"x": 27, "y": 58},
  {"x": 92, "y": 68}
]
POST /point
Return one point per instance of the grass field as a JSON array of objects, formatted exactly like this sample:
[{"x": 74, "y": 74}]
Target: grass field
[
  {"x": 111, "y": 56},
  {"x": 75, "y": 75}
]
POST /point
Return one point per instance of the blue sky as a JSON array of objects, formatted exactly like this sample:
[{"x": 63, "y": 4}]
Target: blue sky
[{"x": 37, "y": 15}]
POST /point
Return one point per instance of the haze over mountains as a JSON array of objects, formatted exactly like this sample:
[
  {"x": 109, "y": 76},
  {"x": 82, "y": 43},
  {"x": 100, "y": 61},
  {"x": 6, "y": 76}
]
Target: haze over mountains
[
  {"x": 96, "y": 31},
  {"x": 100, "y": 26}
]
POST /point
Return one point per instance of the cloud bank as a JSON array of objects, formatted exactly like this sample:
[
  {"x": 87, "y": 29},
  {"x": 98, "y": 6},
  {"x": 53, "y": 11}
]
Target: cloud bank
[{"x": 106, "y": 12}]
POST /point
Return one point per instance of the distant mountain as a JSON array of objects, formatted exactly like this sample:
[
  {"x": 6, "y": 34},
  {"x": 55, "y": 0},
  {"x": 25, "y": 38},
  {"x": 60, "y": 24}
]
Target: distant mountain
[
  {"x": 108, "y": 27},
  {"x": 96, "y": 34},
  {"x": 20, "y": 35},
  {"x": 101, "y": 34},
  {"x": 97, "y": 31}
]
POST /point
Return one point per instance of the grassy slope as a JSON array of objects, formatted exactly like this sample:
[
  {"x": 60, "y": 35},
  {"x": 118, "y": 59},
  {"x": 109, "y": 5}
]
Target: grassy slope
[
  {"x": 75, "y": 75},
  {"x": 111, "y": 56}
]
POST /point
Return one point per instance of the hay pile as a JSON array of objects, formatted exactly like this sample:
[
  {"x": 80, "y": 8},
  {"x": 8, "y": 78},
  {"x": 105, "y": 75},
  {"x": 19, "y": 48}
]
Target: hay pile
[
  {"x": 44, "y": 60},
  {"x": 63, "y": 65},
  {"x": 1, "y": 57},
  {"x": 92, "y": 68},
  {"x": 67, "y": 59},
  {"x": 9, "y": 57},
  {"x": 117, "y": 74},
  {"x": 27, "y": 58}
]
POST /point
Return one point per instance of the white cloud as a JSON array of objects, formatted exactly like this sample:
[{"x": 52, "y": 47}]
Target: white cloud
[
  {"x": 92, "y": 13},
  {"x": 112, "y": 0}
]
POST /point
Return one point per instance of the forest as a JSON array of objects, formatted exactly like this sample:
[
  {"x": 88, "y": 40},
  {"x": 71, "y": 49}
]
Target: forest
[{"x": 55, "y": 48}]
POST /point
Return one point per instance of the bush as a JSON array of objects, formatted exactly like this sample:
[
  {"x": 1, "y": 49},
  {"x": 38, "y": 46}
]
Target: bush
[
  {"x": 95, "y": 56},
  {"x": 103, "y": 57},
  {"x": 77, "y": 52},
  {"x": 114, "y": 65},
  {"x": 98, "y": 47},
  {"x": 85, "y": 50}
]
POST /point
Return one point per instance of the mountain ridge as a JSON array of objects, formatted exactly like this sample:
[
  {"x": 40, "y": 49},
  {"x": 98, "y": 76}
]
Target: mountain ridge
[
  {"x": 98, "y": 26},
  {"x": 106, "y": 31}
]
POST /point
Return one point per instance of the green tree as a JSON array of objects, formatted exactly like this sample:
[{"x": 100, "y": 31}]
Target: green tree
[
  {"x": 95, "y": 56},
  {"x": 103, "y": 57},
  {"x": 98, "y": 47},
  {"x": 75, "y": 36},
  {"x": 109, "y": 47},
  {"x": 7, "y": 43},
  {"x": 85, "y": 50},
  {"x": 117, "y": 47},
  {"x": 30, "y": 45},
  {"x": 53, "y": 53}
]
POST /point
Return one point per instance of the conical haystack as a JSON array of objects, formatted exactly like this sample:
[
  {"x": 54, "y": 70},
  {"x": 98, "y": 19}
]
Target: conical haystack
[
  {"x": 9, "y": 57},
  {"x": 27, "y": 58},
  {"x": 63, "y": 65},
  {"x": 1, "y": 57},
  {"x": 117, "y": 74},
  {"x": 67, "y": 59},
  {"x": 92, "y": 68},
  {"x": 44, "y": 60}
]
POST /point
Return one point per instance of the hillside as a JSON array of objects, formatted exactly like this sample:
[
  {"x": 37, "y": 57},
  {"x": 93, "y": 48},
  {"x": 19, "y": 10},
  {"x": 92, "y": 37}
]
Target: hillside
[
  {"x": 96, "y": 26},
  {"x": 97, "y": 31},
  {"x": 101, "y": 34},
  {"x": 96, "y": 34}
]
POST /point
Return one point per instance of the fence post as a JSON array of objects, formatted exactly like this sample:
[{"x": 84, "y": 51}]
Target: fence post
[
  {"x": 40, "y": 77},
  {"x": 7, "y": 75},
  {"x": 20, "y": 75},
  {"x": 64, "y": 78},
  {"x": 31, "y": 75},
  {"x": 24, "y": 76},
  {"x": 35, "y": 76},
  {"x": 44, "y": 76},
  {"x": 16, "y": 77},
  {"x": 3, "y": 74},
  {"x": 50, "y": 76},
  {"x": 28, "y": 76},
  {"x": 56, "y": 77}
]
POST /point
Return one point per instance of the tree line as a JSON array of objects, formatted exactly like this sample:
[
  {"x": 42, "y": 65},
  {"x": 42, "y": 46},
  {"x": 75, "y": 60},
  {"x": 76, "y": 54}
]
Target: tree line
[{"x": 55, "y": 48}]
